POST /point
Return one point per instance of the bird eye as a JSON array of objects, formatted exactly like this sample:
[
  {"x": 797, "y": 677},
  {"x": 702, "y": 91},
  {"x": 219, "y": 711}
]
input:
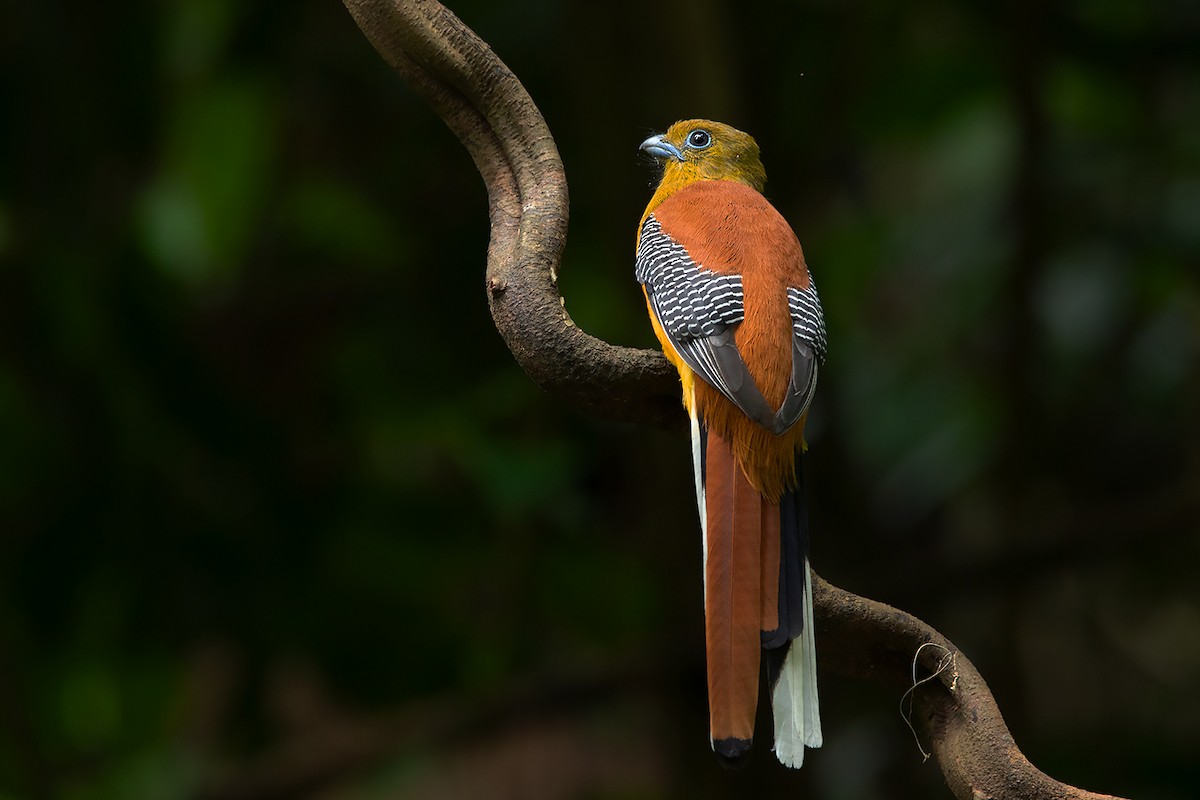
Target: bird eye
[{"x": 699, "y": 139}]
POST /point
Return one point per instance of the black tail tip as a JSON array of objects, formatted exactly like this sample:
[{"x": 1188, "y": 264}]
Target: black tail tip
[{"x": 732, "y": 752}]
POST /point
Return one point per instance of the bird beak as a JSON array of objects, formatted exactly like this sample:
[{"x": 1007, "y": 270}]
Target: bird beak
[{"x": 660, "y": 148}]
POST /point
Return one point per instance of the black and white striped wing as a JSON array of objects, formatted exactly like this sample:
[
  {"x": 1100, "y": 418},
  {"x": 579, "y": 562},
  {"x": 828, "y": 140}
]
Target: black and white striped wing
[
  {"x": 696, "y": 308},
  {"x": 808, "y": 351},
  {"x": 808, "y": 321}
]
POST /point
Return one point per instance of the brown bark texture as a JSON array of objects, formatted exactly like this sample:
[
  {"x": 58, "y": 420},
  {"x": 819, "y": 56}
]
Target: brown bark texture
[{"x": 487, "y": 108}]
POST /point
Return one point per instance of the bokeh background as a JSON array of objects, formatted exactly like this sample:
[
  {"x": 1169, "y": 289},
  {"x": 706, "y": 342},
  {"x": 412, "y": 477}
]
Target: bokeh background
[{"x": 281, "y": 518}]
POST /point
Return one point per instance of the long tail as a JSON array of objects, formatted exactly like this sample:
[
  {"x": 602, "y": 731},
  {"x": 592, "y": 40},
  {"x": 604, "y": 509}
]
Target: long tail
[{"x": 757, "y": 596}]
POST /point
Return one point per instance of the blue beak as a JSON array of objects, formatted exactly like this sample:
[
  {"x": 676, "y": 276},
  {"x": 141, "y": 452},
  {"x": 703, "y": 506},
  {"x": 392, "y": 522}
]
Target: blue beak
[{"x": 660, "y": 148}]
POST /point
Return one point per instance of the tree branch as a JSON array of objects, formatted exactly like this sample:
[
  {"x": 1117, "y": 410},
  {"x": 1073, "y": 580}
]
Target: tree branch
[
  {"x": 954, "y": 711},
  {"x": 485, "y": 105}
]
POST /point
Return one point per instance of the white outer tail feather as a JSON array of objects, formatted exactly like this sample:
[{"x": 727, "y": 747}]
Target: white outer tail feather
[
  {"x": 794, "y": 702},
  {"x": 696, "y": 467},
  {"x": 700, "y": 502}
]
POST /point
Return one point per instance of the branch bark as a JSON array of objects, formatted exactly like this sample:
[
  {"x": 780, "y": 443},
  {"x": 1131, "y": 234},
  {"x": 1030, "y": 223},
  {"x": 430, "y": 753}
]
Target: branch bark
[{"x": 485, "y": 105}]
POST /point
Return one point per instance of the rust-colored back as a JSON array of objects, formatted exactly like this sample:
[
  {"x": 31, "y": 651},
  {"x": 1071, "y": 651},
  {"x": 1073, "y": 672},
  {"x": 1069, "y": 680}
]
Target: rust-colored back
[{"x": 730, "y": 228}]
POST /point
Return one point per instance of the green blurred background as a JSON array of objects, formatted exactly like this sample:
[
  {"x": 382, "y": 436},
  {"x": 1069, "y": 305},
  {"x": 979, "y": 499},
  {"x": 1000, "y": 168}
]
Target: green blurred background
[{"x": 280, "y": 517}]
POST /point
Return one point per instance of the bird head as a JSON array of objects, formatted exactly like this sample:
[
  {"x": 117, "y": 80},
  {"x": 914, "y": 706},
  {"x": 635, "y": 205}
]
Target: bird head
[{"x": 699, "y": 149}]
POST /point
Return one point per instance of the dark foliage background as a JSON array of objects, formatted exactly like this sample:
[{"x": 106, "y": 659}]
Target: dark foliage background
[{"x": 276, "y": 505}]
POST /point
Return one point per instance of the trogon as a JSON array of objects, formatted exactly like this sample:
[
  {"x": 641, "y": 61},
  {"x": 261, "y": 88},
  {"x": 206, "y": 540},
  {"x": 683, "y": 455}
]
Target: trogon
[{"x": 734, "y": 306}]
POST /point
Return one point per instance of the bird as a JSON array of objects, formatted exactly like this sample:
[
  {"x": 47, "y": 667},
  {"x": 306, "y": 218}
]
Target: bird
[{"x": 733, "y": 304}]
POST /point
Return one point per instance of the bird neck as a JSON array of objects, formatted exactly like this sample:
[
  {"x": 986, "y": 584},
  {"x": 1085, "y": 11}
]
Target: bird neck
[{"x": 677, "y": 176}]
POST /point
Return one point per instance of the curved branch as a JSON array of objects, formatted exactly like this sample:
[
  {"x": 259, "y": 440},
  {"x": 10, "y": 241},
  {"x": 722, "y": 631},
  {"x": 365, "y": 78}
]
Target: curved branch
[
  {"x": 485, "y": 105},
  {"x": 954, "y": 710}
]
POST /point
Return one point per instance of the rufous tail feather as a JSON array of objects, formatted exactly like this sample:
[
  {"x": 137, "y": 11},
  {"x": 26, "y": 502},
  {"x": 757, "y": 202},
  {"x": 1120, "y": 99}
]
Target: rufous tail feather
[{"x": 733, "y": 603}]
